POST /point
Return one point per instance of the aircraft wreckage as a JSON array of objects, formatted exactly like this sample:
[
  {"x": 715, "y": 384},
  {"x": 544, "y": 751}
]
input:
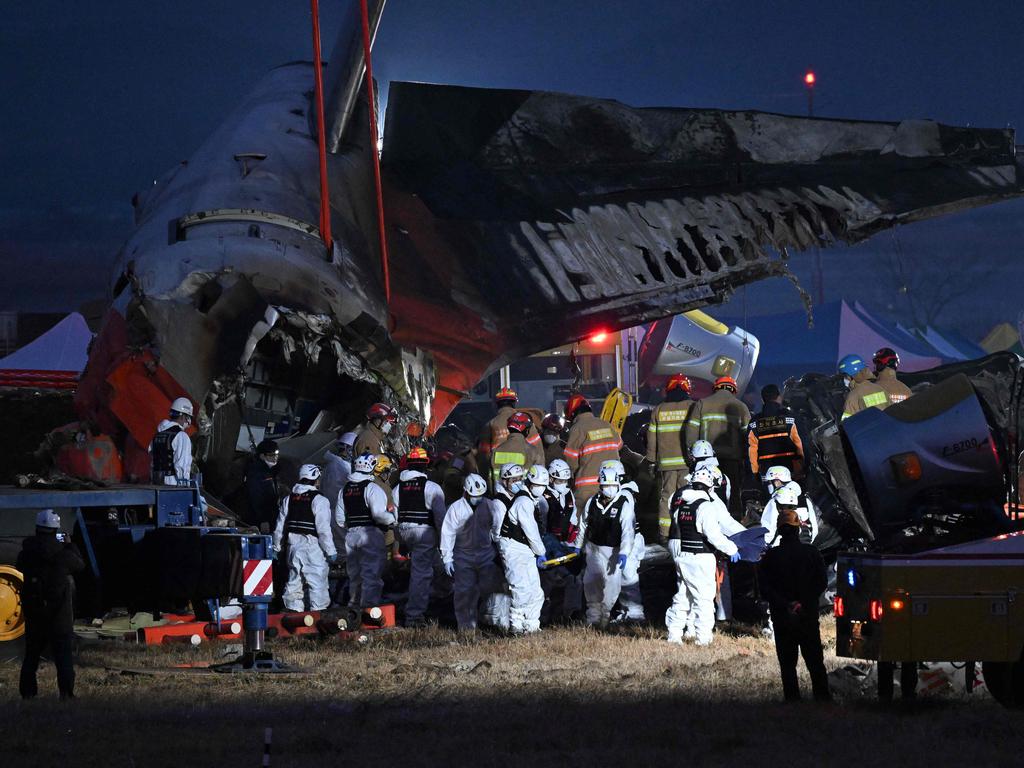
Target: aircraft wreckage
[{"x": 515, "y": 221}]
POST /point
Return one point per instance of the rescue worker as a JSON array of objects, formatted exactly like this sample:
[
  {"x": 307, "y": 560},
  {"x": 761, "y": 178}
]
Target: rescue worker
[
  {"x": 551, "y": 437},
  {"x": 630, "y": 608},
  {"x": 864, "y": 392},
  {"x": 305, "y": 518},
  {"x": 728, "y": 526},
  {"x": 495, "y": 432},
  {"x": 48, "y": 563},
  {"x": 666, "y": 446},
  {"x": 887, "y": 362},
  {"x": 515, "y": 448},
  {"x": 787, "y": 492},
  {"x": 721, "y": 419},
  {"x": 372, "y": 434},
  {"x": 337, "y": 467},
  {"x": 693, "y": 541},
  {"x": 468, "y": 553},
  {"x": 606, "y": 531},
  {"x": 363, "y": 511},
  {"x": 591, "y": 442},
  {"x": 772, "y": 437},
  {"x": 421, "y": 509},
  {"x": 171, "y": 448},
  {"x": 703, "y": 455},
  {"x": 522, "y": 552},
  {"x": 562, "y": 584},
  {"x": 792, "y": 577},
  {"x": 261, "y": 487}
]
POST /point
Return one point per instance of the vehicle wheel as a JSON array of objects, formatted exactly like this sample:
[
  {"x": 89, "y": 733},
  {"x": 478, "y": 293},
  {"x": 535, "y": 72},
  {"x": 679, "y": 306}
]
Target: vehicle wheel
[{"x": 12, "y": 618}]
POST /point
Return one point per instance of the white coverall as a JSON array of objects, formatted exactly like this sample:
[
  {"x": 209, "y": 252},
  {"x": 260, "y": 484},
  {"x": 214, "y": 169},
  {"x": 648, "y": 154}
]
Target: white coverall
[
  {"x": 712, "y": 461},
  {"x": 770, "y": 516},
  {"x": 421, "y": 543},
  {"x": 181, "y": 445},
  {"x": 520, "y": 561},
  {"x": 729, "y": 525},
  {"x": 694, "y": 603},
  {"x": 629, "y": 594},
  {"x": 333, "y": 479},
  {"x": 307, "y": 564},
  {"x": 602, "y": 578},
  {"x": 364, "y": 546},
  {"x": 466, "y": 543}
]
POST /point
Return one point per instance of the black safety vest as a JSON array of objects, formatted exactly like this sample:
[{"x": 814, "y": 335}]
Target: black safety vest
[
  {"x": 357, "y": 513},
  {"x": 510, "y": 530},
  {"x": 603, "y": 526},
  {"x": 300, "y": 514},
  {"x": 774, "y": 445},
  {"x": 163, "y": 452},
  {"x": 685, "y": 517},
  {"x": 560, "y": 514},
  {"x": 412, "y": 502}
]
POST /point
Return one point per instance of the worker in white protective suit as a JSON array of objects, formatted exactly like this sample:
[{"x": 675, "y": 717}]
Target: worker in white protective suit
[
  {"x": 171, "y": 448},
  {"x": 729, "y": 525},
  {"x": 704, "y": 456},
  {"x": 362, "y": 511},
  {"x": 468, "y": 554},
  {"x": 337, "y": 468},
  {"x": 305, "y": 518},
  {"x": 693, "y": 540},
  {"x": 522, "y": 552},
  {"x": 421, "y": 509},
  {"x": 563, "y": 584},
  {"x": 778, "y": 478},
  {"x": 607, "y": 531},
  {"x": 630, "y": 606}
]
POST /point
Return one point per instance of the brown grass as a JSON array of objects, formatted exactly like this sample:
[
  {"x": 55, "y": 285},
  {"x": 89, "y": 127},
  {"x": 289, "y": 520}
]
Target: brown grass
[{"x": 430, "y": 697}]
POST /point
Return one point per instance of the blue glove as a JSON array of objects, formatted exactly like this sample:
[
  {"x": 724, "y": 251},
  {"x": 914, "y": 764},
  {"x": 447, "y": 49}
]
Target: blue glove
[
  {"x": 734, "y": 557},
  {"x": 332, "y": 559},
  {"x": 449, "y": 569},
  {"x": 622, "y": 562},
  {"x": 542, "y": 562}
]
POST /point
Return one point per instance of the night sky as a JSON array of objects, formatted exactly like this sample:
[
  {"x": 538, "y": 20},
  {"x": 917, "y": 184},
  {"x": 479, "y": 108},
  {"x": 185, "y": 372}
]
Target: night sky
[{"x": 101, "y": 98}]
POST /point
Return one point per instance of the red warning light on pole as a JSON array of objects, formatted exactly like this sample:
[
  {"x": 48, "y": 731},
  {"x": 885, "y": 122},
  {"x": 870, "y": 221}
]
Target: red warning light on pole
[
  {"x": 809, "y": 78},
  {"x": 599, "y": 337}
]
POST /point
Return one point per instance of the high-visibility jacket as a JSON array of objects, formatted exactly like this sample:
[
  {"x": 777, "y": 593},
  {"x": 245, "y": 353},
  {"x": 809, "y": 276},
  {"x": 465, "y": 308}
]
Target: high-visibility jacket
[
  {"x": 495, "y": 432},
  {"x": 772, "y": 440},
  {"x": 369, "y": 440},
  {"x": 895, "y": 389},
  {"x": 721, "y": 419},
  {"x": 591, "y": 442},
  {"x": 863, "y": 395},
  {"x": 515, "y": 449},
  {"x": 666, "y": 435}
]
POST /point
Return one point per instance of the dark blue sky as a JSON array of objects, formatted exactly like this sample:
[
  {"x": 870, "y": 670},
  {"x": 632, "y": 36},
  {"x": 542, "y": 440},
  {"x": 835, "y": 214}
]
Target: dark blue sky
[{"x": 101, "y": 98}]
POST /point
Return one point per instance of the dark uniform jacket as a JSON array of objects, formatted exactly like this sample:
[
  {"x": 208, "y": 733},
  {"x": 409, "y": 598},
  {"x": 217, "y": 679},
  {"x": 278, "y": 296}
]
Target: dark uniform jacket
[
  {"x": 262, "y": 492},
  {"x": 792, "y": 571},
  {"x": 48, "y": 596}
]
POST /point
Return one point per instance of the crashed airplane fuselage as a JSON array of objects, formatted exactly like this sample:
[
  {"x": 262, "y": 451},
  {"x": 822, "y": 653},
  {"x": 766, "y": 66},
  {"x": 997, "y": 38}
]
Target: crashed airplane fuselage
[{"x": 515, "y": 220}]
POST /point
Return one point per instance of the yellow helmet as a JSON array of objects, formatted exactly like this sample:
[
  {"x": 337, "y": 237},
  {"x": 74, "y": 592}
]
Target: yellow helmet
[{"x": 383, "y": 466}]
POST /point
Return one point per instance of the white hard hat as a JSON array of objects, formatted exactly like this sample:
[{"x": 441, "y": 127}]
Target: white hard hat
[
  {"x": 778, "y": 473},
  {"x": 559, "y": 470},
  {"x": 349, "y": 439},
  {"x": 47, "y": 518},
  {"x": 309, "y": 472},
  {"x": 702, "y": 476},
  {"x": 702, "y": 449},
  {"x": 709, "y": 462},
  {"x": 616, "y": 466},
  {"x": 538, "y": 475},
  {"x": 365, "y": 463},
  {"x": 608, "y": 476},
  {"x": 182, "y": 405},
  {"x": 787, "y": 496},
  {"x": 474, "y": 485},
  {"x": 511, "y": 471}
]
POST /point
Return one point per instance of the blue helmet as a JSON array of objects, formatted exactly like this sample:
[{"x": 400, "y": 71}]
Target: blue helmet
[{"x": 851, "y": 365}]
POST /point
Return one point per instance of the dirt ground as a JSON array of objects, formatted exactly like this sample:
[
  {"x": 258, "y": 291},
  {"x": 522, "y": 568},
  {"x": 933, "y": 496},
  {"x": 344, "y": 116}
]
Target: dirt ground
[{"x": 431, "y": 697}]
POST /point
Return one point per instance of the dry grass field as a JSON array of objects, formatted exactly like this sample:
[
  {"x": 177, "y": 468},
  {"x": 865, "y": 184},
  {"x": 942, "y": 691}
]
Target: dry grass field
[{"x": 432, "y": 698}]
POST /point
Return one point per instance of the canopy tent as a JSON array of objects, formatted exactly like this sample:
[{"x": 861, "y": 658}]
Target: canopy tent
[{"x": 53, "y": 360}]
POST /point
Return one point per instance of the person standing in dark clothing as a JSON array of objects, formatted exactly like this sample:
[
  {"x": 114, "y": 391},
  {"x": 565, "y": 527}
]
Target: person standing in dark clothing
[
  {"x": 792, "y": 577},
  {"x": 261, "y": 488},
  {"x": 773, "y": 440},
  {"x": 48, "y": 564}
]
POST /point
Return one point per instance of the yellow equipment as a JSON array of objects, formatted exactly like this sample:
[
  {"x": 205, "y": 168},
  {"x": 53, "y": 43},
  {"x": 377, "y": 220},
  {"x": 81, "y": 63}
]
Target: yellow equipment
[
  {"x": 12, "y": 620},
  {"x": 616, "y": 408}
]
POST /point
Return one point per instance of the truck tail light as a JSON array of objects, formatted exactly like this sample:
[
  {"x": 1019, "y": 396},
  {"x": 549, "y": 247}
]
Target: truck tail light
[
  {"x": 837, "y": 607},
  {"x": 876, "y": 610},
  {"x": 906, "y": 467},
  {"x": 897, "y": 604}
]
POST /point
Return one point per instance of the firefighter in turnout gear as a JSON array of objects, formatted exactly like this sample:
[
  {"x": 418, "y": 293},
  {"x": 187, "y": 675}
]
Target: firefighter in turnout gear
[
  {"x": 305, "y": 518},
  {"x": 666, "y": 445},
  {"x": 363, "y": 511},
  {"x": 591, "y": 442},
  {"x": 551, "y": 437},
  {"x": 864, "y": 392},
  {"x": 695, "y": 537},
  {"x": 887, "y": 362},
  {"x": 772, "y": 439},
  {"x": 522, "y": 551},
  {"x": 721, "y": 419},
  {"x": 515, "y": 448},
  {"x": 370, "y": 437},
  {"x": 171, "y": 449},
  {"x": 495, "y": 432},
  {"x": 421, "y": 509},
  {"x": 606, "y": 531}
]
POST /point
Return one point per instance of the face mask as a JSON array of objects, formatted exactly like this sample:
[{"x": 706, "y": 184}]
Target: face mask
[
  {"x": 609, "y": 491},
  {"x": 537, "y": 491},
  {"x": 474, "y": 500},
  {"x": 847, "y": 381},
  {"x": 560, "y": 485},
  {"x": 271, "y": 461},
  {"x": 516, "y": 487},
  {"x": 385, "y": 427},
  {"x": 550, "y": 439}
]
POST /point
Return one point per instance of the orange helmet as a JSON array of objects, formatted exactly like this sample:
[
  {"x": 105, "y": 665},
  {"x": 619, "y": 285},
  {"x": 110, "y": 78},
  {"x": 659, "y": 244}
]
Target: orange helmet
[
  {"x": 506, "y": 393},
  {"x": 726, "y": 382},
  {"x": 678, "y": 381},
  {"x": 519, "y": 422},
  {"x": 381, "y": 411},
  {"x": 573, "y": 405},
  {"x": 417, "y": 456}
]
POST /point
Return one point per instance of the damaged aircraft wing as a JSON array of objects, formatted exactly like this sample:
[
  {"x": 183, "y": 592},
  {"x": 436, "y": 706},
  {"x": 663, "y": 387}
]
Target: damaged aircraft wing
[{"x": 521, "y": 220}]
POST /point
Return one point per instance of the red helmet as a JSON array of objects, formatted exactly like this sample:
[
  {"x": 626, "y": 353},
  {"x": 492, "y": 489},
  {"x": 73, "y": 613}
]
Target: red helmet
[
  {"x": 573, "y": 405},
  {"x": 552, "y": 422},
  {"x": 506, "y": 393},
  {"x": 726, "y": 382},
  {"x": 417, "y": 456},
  {"x": 381, "y": 411},
  {"x": 519, "y": 422},
  {"x": 886, "y": 357},
  {"x": 678, "y": 381}
]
